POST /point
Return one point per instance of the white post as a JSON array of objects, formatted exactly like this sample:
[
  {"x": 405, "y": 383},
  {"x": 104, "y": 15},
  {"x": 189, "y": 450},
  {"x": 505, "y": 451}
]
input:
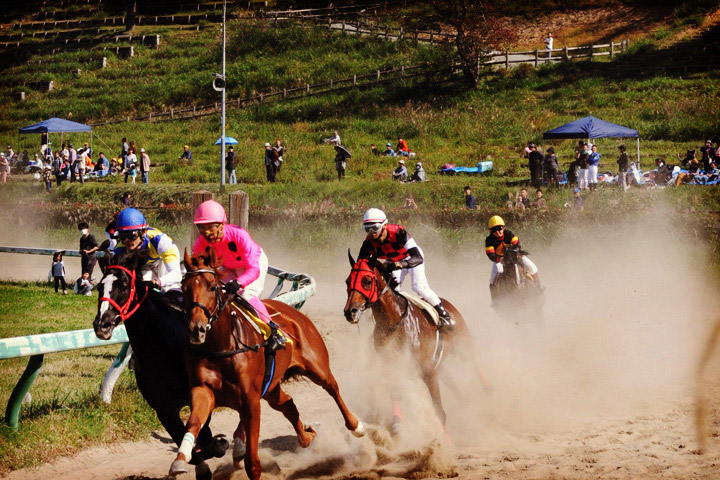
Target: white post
[
  {"x": 222, "y": 120},
  {"x": 638, "y": 152}
]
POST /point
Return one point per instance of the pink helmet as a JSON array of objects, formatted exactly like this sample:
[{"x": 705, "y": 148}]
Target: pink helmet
[{"x": 210, "y": 211}]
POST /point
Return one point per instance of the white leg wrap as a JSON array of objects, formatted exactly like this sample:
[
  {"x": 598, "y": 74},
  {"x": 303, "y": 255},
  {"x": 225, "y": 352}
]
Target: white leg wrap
[
  {"x": 187, "y": 444},
  {"x": 360, "y": 430}
]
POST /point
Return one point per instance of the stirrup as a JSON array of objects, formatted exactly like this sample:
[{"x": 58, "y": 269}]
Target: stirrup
[
  {"x": 446, "y": 325},
  {"x": 275, "y": 341}
]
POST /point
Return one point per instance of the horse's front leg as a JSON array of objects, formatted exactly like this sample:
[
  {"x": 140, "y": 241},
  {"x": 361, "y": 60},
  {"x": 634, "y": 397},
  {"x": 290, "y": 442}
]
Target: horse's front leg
[
  {"x": 202, "y": 404},
  {"x": 250, "y": 418},
  {"x": 239, "y": 445}
]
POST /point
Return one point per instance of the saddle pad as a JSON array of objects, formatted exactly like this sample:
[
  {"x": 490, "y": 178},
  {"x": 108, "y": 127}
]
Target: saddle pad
[
  {"x": 412, "y": 297},
  {"x": 262, "y": 327}
]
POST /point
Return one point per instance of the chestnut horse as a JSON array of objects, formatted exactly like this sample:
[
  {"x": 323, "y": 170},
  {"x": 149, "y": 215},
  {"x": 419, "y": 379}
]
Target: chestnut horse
[
  {"x": 158, "y": 338},
  {"x": 227, "y": 363},
  {"x": 401, "y": 323}
]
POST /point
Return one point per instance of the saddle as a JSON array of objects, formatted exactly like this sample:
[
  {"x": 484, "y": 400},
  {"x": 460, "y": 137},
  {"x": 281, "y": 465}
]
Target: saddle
[
  {"x": 244, "y": 307},
  {"x": 423, "y": 305}
]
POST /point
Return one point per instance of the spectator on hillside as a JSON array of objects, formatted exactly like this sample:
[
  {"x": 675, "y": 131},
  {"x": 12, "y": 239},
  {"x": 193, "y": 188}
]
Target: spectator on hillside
[
  {"x": 663, "y": 175},
  {"x": 144, "y": 166},
  {"x": 623, "y": 162},
  {"x": 583, "y": 167},
  {"x": 577, "y": 201},
  {"x": 124, "y": 150},
  {"x": 419, "y": 173},
  {"x": 334, "y": 139},
  {"x": 126, "y": 200},
  {"x": 708, "y": 155},
  {"x": 73, "y": 159},
  {"x": 374, "y": 150},
  {"x": 689, "y": 157},
  {"x": 341, "y": 161},
  {"x": 535, "y": 163},
  {"x": 64, "y": 172},
  {"x": 88, "y": 150},
  {"x": 539, "y": 202},
  {"x": 132, "y": 148},
  {"x": 469, "y": 198},
  {"x": 400, "y": 173},
  {"x": 270, "y": 163},
  {"x": 4, "y": 167},
  {"x": 549, "y": 44},
  {"x": 47, "y": 177},
  {"x": 522, "y": 201},
  {"x": 129, "y": 165},
  {"x": 592, "y": 170},
  {"x": 81, "y": 165},
  {"x": 389, "y": 152},
  {"x": 187, "y": 155},
  {"x": 132, "y": 172},
  {"x": 230, "y": 165},
  {"x": 10, "y": 154},
  {"x": 402, "y": 147},
  {"x": 44, "y": 142},
  {"x": 280, "y": 150},
  {"x": 102, "y": 167},
  {"x": 88, "y": 247},
  {"x": 550, "y": 165},
  {"x": 64, "y": 152}
]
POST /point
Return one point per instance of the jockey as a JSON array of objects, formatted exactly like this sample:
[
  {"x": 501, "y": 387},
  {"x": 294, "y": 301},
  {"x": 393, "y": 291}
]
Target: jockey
[
  {"x": 243, "y": 262},
  {"x": 392, "y": 242},
  {"x": 163, "y": 263},
  {"x": 494, "y": 246}
]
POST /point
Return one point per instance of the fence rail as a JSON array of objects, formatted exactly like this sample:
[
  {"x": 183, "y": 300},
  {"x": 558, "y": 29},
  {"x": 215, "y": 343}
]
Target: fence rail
[{"x": 36, "y": 346}]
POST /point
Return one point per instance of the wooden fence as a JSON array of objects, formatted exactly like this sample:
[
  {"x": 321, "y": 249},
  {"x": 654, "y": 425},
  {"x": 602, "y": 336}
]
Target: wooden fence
[{"x": 18, "y": 48}]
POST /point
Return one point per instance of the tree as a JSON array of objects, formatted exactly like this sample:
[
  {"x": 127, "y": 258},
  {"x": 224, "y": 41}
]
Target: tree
[{"x": 479, "y": 30}]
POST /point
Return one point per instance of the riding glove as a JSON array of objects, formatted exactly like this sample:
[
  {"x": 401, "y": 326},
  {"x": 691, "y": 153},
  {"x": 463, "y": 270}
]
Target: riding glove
[{"x": 232, "y": 287}]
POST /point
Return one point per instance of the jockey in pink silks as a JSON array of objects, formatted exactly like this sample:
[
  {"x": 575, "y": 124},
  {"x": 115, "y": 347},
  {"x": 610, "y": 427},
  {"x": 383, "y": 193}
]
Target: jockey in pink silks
[{"x": 243, "y": 262}]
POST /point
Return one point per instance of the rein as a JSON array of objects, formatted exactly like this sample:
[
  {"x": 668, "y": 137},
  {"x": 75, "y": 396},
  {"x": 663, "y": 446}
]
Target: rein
[
  {"x": 124, "y": 310},
  {"x": 372, "y": 296}
]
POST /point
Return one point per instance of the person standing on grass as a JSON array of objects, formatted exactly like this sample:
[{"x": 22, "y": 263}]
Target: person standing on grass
[
  {"x": 550, "y": 164},
  {"x": 341, "y": 161},
  {"x": 592, "y": 171},
  {"x": 270, "y": 166},
  {"x": 535, "y": 163},
  {"x": 469, "y": 198},
  {"x": 280, "y": 152},
  {"x": 144, "y": 165},
  {"x": 57, "y": 271},
  {"x": 582, "y": 179},
  {"x": 56, "y": 166},
  {"x": 4, "y": 166},
  {"x": 230, "y": 165},
  {"x": 88, "y": 247},
  {"x": 623, "y": 161},
  {"x": 549, "y": 44},
  {"x": 47, "y": 177},
  {"x": 73, "y": 159}
]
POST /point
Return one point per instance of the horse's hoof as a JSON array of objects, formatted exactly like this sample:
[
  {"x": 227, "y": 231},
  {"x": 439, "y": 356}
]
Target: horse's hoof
[
  {"x": 360, "y": 430},
  {"x": 306, "y": 436},
  {"x": 238, "y": 453},
  {"x": 217, "y": 447},
  {"x": 178, "y": 467},
  {"x": 396, "y": 428},
  {"x": 203, "y": 472}
]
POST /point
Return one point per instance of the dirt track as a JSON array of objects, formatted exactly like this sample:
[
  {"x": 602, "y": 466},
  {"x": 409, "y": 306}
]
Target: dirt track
[{"x": 604, "y": 389}]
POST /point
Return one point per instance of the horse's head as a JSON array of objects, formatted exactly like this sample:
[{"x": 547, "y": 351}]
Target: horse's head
[
  {"x": 202, "y": 293},
  {"x": 117, "y": 299},
  {"x": 512, "y": 255},
  {"x": 363, "y": 286}
]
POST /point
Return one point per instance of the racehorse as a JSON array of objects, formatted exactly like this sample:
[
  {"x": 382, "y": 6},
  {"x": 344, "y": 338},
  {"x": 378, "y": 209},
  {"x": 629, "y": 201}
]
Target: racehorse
[
  {"x": 158, "y": 337},
  {"x": 517, "y": 293},
  {"x": 402, "y": 323},
  {"x": 229, "y": 366}
]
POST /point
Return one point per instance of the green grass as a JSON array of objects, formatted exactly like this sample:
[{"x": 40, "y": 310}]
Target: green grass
[{"x": 65, "y": 409}]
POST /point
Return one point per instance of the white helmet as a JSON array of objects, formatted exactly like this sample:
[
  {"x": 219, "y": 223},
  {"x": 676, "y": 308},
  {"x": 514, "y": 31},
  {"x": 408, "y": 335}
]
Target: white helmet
[{"x": 374, "y": 216}]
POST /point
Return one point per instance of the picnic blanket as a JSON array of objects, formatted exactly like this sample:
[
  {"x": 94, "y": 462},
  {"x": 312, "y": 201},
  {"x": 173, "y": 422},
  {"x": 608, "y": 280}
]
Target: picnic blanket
[{"x": 481, "y": 167}]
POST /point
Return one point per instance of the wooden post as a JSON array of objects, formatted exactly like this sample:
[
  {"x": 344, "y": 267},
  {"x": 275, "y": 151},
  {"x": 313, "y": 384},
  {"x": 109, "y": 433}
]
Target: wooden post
[
  {"x": 284, "y": 92},
  {"x": 239, "y": 209},
  {"x": 567, "y": 57},
  {"x": 378, "y": 75},
  {"x": 592, "y": 51},
  {"x": 537, "y": 57},
  {"x": 104, "y": 62},
  {"x": 402, "y": 70},
  {"x": 331, "y": 83},
  {"x": 507, "y": 59},
  {"x": 400, "y": 34},
  {"x": 172, "y": 113},
  {"x": 21, "y": 96},
  {"x": 307, "y": 87},
  {"x": 197, "y": 199},
  {"x": 612, "y": 49},
  {"x": 354, "y": 80}
]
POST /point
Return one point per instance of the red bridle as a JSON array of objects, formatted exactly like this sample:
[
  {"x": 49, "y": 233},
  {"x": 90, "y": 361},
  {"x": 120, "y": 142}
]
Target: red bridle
[
  {"x": 124, "y": 310},
  {"x": 358, "y": 272}
]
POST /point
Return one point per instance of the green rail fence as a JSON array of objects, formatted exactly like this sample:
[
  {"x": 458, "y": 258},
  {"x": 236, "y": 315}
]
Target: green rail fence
[{"x": 301, "y": 288}]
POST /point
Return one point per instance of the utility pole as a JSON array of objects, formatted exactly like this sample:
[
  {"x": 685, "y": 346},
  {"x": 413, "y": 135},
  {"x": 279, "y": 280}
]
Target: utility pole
[{"x": 222, "y": 115}]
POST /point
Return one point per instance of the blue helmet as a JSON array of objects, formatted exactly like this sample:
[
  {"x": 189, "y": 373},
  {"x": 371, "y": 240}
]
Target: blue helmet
[{"x": 131, "y": 219}]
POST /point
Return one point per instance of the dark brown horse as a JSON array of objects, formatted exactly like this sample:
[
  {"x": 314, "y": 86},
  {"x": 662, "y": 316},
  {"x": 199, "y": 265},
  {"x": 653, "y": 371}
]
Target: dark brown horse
[
  {"x": 401, "y": 323},
  {"x": 227, "y": 364}
]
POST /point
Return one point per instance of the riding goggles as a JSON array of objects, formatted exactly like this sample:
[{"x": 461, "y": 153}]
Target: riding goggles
[
  {"x": 372, "y": 227},
  {"x": 498, "y": 228},
  {"x": 128, "y": 235}
]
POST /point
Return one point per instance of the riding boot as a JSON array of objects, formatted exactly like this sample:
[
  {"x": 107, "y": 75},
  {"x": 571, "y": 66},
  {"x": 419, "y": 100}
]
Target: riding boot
[
  {"x": 447, "y": 324},
  {"x": 493, "y": 295},
  {"x": 536, "y": 280},
  {"x": 275, "y": 341}
]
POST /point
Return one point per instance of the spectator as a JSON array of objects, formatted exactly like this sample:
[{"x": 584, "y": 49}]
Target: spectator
[
  {"x": 708, "y": 155},
  {"x": 57, "y": 164},
  {"x": 270, "y": 163},
  {"x": 583, "y": 167},
  {"x": 577, "y": 201},
  {"x": 469, "y": 198},
  {"x": 132, "y": 172},
  {"x": 64, "y": 152},
  {"x": 663, "y": 175},
  {"x": 83, "y": 285},
  {"x": 73, "y": 159},
  {"x": 549, "y": 44},
  {"x": 623, "y": 161},
  {"x": 124, "y": 150},
  {"x": 402, "y": 147},
  {"x": 389, "y": 152},
  {"x": 539, "y": 202},
  {"x": 535, "y": 163},
  {"x": 4, "y": 166},
  {"x": 88, "y": 247},
  {"x": 230, "y": 165},
  {"x": 689, "y": 157},
  {"x": 126, "y": 200},
  {"x": 593, "y": 162},
  {"x": 419, "y": 173},
  {"x": 334, "y": 140},
  {"x": 550, "y": 165},
  {"x": 280, "y": 152},
  {"x": 144, "y": 165},
  {"x": 81, "y": 165},
  {"x": 47, "y": 177},
  {"x": 102, "y": 166},
  {"x": 374, "y": 150},
  {"x": 64, "y": 170},
  {"x": 10, "y": 154},
  {"x": 410, "y": 202},
  {"x": 132, "y": 148},
  {"x": 57, "y": 271},
  {"x": 400, "y": 173},
  {"x": 88, "y": 150},
  {"x": 187, "y": 155},
  {"x": 341, "y": 161},
  {"x": 129, "y": 165},
  {"x": 523, "y": 200},
  {"x": 43, "y": 142}
]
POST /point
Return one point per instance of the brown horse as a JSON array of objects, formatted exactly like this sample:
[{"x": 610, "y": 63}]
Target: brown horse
[
  {"x": 401, "y": 323},
  {"x": 226, "y": 364}
]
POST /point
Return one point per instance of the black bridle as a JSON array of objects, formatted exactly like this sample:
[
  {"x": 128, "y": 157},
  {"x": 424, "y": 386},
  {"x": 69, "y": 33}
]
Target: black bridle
[{"x": 211, "y": 316}]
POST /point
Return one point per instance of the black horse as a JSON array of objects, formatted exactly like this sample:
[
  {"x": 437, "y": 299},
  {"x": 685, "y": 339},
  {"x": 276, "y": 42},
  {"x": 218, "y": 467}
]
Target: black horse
[
  {"x": 158, "y": 337},
  {"x": 516, "y": 294}
]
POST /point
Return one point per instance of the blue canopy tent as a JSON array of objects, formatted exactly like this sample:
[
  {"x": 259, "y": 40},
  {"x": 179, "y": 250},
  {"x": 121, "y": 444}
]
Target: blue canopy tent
[
  {"x": 592, "y": 127},
  {"x": 57, "y": 125}
]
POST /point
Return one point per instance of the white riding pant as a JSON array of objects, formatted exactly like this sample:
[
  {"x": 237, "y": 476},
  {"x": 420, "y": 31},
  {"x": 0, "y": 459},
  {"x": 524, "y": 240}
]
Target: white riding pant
[
  {"x": 582, "y": 179},
  {"x": 498, "y": 267},
  {"x": 418, "y": 281},
  {"x": 592, "y": 173}
]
